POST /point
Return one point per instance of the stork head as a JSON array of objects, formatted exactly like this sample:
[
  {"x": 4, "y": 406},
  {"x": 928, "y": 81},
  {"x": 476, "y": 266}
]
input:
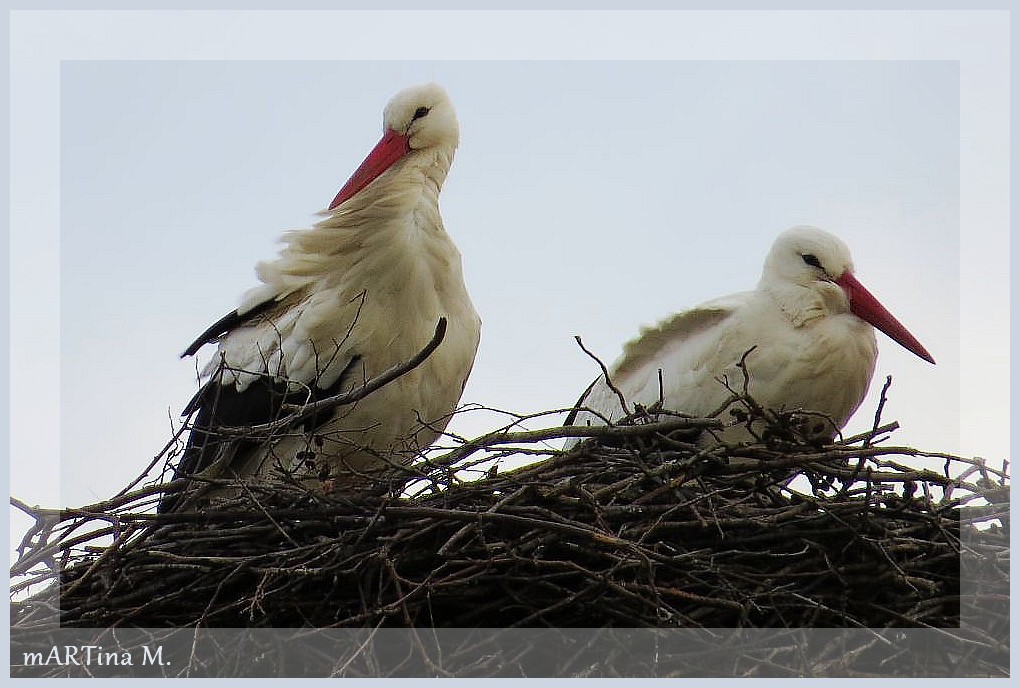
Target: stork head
[
  {"x": 425, "y": 116},
  {"x": 808, "y": 257},
  {"x": 812, "y": 261},
  {"x": 417, "y": 119}
]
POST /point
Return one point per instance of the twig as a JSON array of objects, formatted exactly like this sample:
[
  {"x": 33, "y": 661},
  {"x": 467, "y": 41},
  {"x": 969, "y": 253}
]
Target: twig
[
  {"x": 605, "y": 374},
  {"x": 878, "y": 411}
]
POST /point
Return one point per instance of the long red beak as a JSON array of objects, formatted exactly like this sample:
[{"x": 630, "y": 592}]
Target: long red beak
[
  {"x": 867, "y": 308},
  {"x": 391, "y": 147}
]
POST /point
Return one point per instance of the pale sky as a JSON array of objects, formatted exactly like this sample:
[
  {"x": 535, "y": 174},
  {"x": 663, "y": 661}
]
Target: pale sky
[{"x": 588, "y": 198}]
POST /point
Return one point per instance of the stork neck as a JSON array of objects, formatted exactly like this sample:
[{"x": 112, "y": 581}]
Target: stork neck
[
  {"x": 429, "y": 169},
  {"x": 797, "y": 303}
]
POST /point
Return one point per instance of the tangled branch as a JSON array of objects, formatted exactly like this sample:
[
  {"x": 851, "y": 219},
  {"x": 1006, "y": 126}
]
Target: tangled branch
[{"x": 642, "y": 526}]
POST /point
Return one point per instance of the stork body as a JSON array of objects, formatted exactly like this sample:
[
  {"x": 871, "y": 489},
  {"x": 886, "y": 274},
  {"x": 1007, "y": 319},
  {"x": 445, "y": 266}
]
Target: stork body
[
  {"x": 358, "y": 292},
  {"x": 805, "y": 336}
]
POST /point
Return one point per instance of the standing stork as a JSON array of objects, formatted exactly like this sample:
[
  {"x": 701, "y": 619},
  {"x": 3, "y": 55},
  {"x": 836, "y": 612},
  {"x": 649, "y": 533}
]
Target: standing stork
[
  {"x": 357, "y": 293},
  {"x": 805, "y": 338}
]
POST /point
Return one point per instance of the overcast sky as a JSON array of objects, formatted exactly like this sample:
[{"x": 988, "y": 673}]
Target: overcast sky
[{"x": 587, "y": 198}]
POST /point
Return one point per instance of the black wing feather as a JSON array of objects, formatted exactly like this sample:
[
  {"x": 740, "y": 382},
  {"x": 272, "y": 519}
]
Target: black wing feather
[
  {"x": 219, "y": 406},
  {"x": 572, "y": 416},
  {"x": 227, "y": 323},
  {"x": 223, "y": 406}
]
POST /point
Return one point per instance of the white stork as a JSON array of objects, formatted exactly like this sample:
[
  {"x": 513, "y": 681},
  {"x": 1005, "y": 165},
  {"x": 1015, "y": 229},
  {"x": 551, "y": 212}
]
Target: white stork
[
  {"x": 807, "y": 326},
  {"x": 358, "y": 292}
]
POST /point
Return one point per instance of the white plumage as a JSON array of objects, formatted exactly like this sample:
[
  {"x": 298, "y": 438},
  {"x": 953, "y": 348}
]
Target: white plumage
[
  {"x": 809, "y": 323},
  {"x": 357, "y": 293}
]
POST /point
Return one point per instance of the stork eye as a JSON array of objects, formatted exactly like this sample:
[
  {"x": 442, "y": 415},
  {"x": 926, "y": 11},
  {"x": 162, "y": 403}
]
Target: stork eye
[
  {"x": 811, "y": 260},
  {"x": 420, "y": 112}
]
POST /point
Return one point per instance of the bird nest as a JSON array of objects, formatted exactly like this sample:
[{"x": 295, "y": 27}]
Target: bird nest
[{"x": 637, "y": 552}]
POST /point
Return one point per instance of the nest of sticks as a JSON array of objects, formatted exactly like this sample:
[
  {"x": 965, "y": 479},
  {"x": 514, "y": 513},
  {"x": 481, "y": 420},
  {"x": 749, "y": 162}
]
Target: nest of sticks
[{"x": 637, "y": 527}]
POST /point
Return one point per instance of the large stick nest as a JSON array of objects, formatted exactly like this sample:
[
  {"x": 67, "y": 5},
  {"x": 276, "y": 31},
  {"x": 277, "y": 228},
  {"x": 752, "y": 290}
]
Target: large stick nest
[{"x": 638, "y": 527}]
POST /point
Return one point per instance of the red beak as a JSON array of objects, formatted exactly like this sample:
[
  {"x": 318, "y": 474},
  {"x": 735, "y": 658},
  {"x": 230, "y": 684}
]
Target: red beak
[
  {"x": 391, "y": 147},
  {"x": 867, "y": 308}
]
